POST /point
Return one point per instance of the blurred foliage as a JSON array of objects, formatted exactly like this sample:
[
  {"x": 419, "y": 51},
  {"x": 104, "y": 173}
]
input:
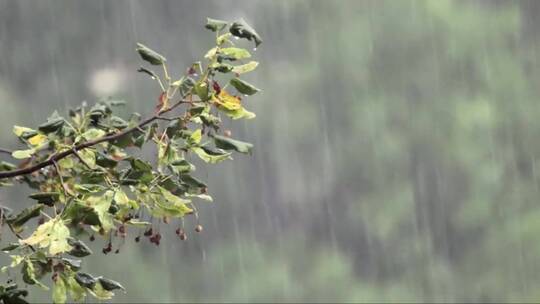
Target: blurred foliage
[{"x": 399, "y": 162}]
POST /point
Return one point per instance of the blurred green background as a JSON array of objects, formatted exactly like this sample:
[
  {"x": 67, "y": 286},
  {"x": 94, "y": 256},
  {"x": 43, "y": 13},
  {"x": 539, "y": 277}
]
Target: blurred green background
[{"x": 397, "y": 145}]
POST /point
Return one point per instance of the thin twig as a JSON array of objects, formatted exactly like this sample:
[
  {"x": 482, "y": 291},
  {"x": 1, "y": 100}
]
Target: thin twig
[
  {"x": 5, "y": 151},
  {"x": 64, "y": 187}
]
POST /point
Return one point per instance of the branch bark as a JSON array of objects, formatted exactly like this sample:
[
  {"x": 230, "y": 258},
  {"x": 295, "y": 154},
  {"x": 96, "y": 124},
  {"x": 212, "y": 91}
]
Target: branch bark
[{"x": 58, "y": 156}]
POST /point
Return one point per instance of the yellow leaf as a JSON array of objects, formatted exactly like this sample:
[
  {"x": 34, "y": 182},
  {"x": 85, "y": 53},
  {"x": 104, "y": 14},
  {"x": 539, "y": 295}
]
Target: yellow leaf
[
  {"x": 196, "y": 136},
  {"x": 52, "y": 234},
  {"x": 227, "y": 101},
  {"x": 37, "y": 140}
]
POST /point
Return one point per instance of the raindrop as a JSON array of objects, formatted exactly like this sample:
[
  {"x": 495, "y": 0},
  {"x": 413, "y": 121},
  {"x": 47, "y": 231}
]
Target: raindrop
[
  {"x": 153, "y": 78},
  {"x": 195, "y": 75},
  {"x": 254, "y": 49},
  {"x": 236, "y": 38},
  {"x": 245, "y": 95}
]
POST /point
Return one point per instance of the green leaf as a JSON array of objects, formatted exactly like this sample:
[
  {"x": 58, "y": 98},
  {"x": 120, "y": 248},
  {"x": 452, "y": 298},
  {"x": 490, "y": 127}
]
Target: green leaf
[
  {"x": 210, "y": 158},
  {"x": 241, "y": 29},
  {"x": 22, "y": 154},
  {"x": 182, "y": 166},
  {"x": 11, "y": 246},
  {"x": 53, "y": 234},
  {"x": 236, "y": 53},
  {"x": 105, "y": 160},
  {"x": 53, "y": 124},
  {"x": 244, "y": 68},
  {"x": 89, "y": 157},
  {"x": 46, "y": 198},
  {"x": 59, "y": 291},
  {"x": 85, "y": 280},
  {"x": 109, "y": 284},
  {"x": 174, "y": 206},
  {"x": 186, "y": 86},
  {"x": 201, "y": 89},
  {"x": 215, "y": 25},
  {"x": 243, "y": 86},
  {"x": 79, "y": 248},
  {"x": 101, "y": 205},
  {"x": 118, "y": 123},
  {"x": 93, "y": 133},
  {"x": 196, "y": 136},
  {"x": 238, "y": 113},
  {"x": 223, "y": 38},
  {"x": 226, "y": 143},
  {"x": 27, "y": 214},
  {"x": 24, "y": 132},
  {"x": 100, "y": 293},
  {"x": 76, "y": 291},
  {"x": 29, "y": 274},
  {"x": 66, "y": 163},
  {"x": 150, "y": 55},
  {"x": 192, "y": 182}
]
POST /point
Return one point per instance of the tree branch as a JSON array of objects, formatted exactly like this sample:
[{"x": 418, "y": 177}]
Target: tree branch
[{"x": 58, "y": 156}]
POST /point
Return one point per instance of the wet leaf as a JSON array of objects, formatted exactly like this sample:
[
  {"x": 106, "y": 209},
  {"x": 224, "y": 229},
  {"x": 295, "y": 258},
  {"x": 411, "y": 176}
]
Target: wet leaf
[
  {"x": 210, "y": 158},
  {"x": 59, "y": 291},
  {"x": 52, "y": 125},
  {"x": 79, "y": 248},
  {"x": 11, "y": 246},
  {"x": 226, "y": 143},
  {"x": 109, "y": 284},
  {"x": 53, "y": 234},
  {"x": 215, "y": 25},
  {"x": 100, "y": 293},
  {"x": 150, "y": 55},
  {"x": 244, "y": 68},
  {"x": 186, "y": 86},
  {"x": 93, "y": 133},
  {"x": 236, "y": 53},
  {"x": 89, "y": 157},
  {"x": 46, "y": 198},
  {"x": 22, "y": 154},
  {"x": 182, "y": 166},
  {"x": 24, "y": 132},
  {"x": 243, "y": 86},
  {"x": 24, "y": 216},
  {"x": 76, "y": 291},
  {"x": 241, "y": 29},
  {"x": 85, "y": 280},
  {"x": 29, "y": 274}
]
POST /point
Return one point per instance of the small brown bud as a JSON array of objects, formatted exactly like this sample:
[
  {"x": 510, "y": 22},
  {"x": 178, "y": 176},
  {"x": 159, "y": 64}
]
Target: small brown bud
[{"x": 199, "y": 228}]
